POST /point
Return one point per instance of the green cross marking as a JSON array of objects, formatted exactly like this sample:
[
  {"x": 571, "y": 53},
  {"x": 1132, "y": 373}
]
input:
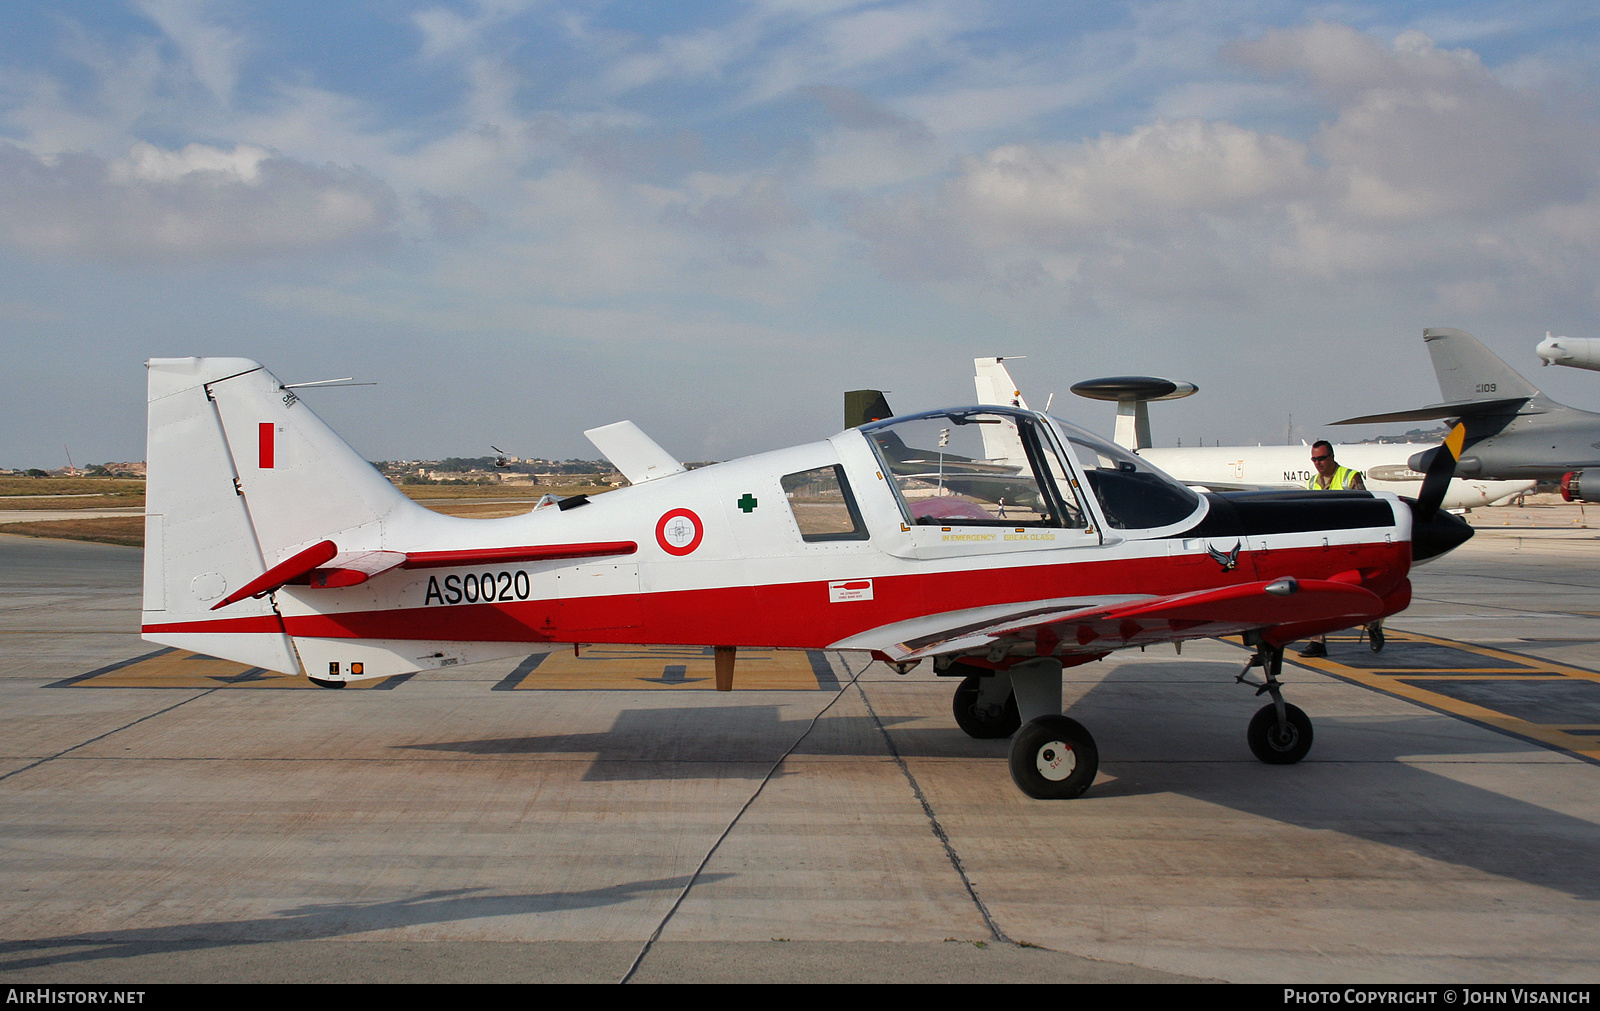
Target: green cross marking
[{"x": 747, "y": 503}]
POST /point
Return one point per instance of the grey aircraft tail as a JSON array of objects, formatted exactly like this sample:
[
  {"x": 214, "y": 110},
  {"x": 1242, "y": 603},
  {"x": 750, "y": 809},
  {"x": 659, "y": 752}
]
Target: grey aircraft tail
[
  {"x": 1470, "y": 372},
  {"x": 862, "y": 406},
  {"x": 1473, "y": 382}
]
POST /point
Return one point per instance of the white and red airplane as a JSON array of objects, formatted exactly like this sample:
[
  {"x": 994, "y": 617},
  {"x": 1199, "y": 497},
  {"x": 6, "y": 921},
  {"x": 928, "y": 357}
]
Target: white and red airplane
[{"x": 999, "y": 543}]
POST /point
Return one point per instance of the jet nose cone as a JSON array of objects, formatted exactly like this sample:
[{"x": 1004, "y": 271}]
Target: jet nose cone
[{"x": 1443, "y": 532}]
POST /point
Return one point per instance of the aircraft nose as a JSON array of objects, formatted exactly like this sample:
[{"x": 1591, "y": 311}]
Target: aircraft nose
[{"x": 1442, "y": 532}]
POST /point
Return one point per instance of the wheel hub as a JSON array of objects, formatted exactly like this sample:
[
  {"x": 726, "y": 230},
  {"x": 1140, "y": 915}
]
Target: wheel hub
[{"x": 1056, "y": 761}]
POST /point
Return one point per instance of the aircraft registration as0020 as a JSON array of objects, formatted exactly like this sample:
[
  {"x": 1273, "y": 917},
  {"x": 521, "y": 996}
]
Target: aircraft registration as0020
[{"x": 1000, "y": 544}]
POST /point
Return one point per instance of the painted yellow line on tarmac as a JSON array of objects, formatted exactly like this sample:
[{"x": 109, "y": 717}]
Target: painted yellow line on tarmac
[{"x": 1523, "y": 695}]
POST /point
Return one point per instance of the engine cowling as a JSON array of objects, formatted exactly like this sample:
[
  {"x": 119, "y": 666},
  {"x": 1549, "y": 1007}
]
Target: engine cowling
[{"x": 1573, "y": 483}]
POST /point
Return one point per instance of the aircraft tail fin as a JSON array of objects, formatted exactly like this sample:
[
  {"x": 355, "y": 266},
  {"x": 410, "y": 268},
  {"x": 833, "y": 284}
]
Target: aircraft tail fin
[
  {"x": 1468, "y": 371},
  {"x": 862, "y": 406},
  {"x": 994, "y": 383},
  {"x": 242, "y": 477}
]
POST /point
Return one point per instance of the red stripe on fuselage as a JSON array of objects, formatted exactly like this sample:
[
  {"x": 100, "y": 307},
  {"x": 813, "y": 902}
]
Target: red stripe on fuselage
[{"x": 800, "y": 615}]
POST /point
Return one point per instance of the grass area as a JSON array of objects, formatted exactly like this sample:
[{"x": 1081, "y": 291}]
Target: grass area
[
  {"x": 73, "y": 502},
  {"x": 482, "y": 510},
  {"x": 530, "y": 492},
  {"x": 127, "y": 530},
  {"x": 85, "y": 492},
  {"x": 479, "y": 502}
]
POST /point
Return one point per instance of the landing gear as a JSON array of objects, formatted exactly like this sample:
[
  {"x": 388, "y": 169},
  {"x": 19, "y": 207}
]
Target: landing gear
[
  {"x": 1279, "y": 734},
  {"x": 979, "y": 711},
  {"x": 1279, "y": 743},
  {"x": 325, "y": 683},
  {"x": 1054, "y": 758}
]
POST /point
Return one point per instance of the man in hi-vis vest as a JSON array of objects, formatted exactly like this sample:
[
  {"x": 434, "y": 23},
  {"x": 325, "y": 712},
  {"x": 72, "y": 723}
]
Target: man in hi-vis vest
[{"x": 1330, "y": 476}]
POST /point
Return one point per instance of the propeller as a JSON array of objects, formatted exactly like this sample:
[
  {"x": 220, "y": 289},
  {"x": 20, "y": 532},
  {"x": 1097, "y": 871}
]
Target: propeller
[
  {"x": 1436, "y": 480},
  {"x": 1433, "y": 532}
]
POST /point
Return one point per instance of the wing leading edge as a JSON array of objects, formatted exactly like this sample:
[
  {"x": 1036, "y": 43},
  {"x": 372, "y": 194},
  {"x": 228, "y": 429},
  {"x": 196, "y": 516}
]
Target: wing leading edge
[{"x": 1282, "y": 610}]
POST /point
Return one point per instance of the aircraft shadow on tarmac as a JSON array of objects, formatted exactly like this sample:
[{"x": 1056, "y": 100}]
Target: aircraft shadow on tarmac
[
  {"x": 320, "y": 921},
  {"x": 690, "y": 742},
  {"x": 1361, "y": 778},
  {"x": 1162, "y": 728}
]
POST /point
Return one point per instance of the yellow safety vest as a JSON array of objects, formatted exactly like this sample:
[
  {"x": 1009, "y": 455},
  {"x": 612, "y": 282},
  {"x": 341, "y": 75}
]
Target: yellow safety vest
[{"x": 1343, "y": 477}]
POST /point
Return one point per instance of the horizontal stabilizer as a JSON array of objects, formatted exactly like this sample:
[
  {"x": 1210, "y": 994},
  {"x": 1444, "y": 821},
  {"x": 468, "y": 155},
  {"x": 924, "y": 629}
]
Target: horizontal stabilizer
[
  {"x": 635, "y": 454},
  {"x": 1437, "y": 412},
  {"x": 324, "y": 566}
]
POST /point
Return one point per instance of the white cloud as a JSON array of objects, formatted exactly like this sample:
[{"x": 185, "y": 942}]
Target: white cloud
[
  {"x": 1430, "y": 173},
  {"x": 1145, "y": 177},
  {"x": 150, "y": 164},
  {"x": 1423, "y": 132},
  {"x": 197, "y": 202},
  {"x": 212, "y": 51}
]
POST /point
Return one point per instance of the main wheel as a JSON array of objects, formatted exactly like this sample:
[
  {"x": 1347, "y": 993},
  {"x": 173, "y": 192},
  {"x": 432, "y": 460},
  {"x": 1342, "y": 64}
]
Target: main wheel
[
  {"x": 1279, "y": 745},
  {"x": 1053, "y": 758},
  {"x": 985, "y": 722},
  {"x": 325, "y": 683}
]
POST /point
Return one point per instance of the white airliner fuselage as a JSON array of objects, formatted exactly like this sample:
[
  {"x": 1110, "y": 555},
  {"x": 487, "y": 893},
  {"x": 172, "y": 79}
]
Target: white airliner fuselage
[
  {"x": 1237, "y": 468},
  {"x": 1383, "y": 466}
]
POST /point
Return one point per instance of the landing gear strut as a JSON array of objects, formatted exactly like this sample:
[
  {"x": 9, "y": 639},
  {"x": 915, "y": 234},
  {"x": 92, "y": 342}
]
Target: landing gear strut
[
  {"x": 1279, "y": 733},
  {"x": 1052, "y": 757}
]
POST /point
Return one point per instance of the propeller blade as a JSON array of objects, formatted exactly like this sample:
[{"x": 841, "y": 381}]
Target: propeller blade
[{"x": 1440, "y": 470}]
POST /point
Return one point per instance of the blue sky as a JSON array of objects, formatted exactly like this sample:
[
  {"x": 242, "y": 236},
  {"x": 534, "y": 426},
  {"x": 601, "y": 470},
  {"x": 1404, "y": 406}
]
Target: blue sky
[{"x": 526, "y": 219}]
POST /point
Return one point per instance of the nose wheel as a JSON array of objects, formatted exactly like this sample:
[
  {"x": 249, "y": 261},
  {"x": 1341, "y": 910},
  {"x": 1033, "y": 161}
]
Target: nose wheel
[
  {"x": 1278, "y": 742},
  {"x": 1279, "y": 733},
  {"x": 1053, "y": 758}
]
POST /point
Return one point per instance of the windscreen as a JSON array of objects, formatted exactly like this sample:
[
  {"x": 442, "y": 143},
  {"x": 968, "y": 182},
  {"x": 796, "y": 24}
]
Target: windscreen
[{"x": 1133, "y": 494}]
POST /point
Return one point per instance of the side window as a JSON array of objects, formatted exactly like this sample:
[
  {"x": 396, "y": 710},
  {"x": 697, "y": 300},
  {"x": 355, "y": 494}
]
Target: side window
[
  {"x": 967, "y": 468},
  {"x": 822, "y": 505}
]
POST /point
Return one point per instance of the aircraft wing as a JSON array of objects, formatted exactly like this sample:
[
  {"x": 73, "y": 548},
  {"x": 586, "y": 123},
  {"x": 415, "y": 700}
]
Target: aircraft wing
[{"x": 1282, "y": 609}]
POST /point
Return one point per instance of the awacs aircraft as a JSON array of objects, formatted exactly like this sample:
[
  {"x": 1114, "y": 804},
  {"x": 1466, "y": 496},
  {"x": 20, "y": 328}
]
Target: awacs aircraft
[
  {"x": 1513, "y": 430},
  {"x": 271, "y": 542},
  {"x": 1243, "y": 468}
]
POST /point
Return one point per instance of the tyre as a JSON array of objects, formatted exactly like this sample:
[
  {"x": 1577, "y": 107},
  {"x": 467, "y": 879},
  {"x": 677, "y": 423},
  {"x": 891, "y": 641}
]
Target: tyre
[
  {"x": 989, "y": 722},
  {"x": 1277, "y": 745},
  {"x": 1053, "y": 758}
]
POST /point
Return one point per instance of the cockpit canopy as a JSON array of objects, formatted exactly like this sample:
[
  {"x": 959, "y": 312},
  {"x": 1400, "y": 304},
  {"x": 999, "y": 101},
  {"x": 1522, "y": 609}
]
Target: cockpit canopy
[{"x": 999, "y": 466}]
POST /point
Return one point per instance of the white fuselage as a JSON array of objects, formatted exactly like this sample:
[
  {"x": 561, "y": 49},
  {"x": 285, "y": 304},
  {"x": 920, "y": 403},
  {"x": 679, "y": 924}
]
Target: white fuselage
[{"x": 1383, "y": 466}]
